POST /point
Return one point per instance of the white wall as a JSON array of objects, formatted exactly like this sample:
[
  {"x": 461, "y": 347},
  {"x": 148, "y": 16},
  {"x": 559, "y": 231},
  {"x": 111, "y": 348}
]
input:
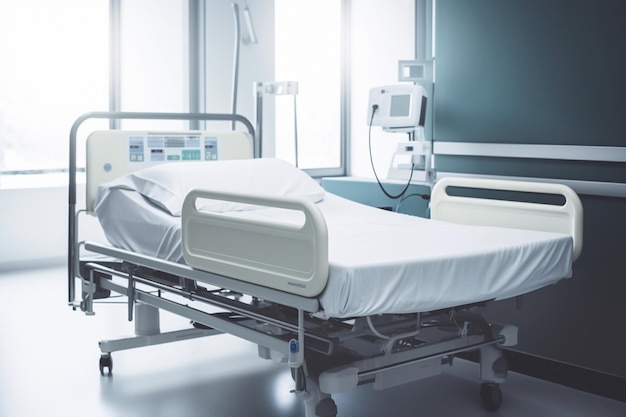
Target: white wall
[
  {"x": 33, "y": 226},
  {"x": 383, "y": 33}
]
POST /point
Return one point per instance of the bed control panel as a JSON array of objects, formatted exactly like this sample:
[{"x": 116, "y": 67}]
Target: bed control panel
[{"x": 159, "y": 148}]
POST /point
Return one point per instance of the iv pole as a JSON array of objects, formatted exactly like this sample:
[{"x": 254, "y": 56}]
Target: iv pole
[{"x": 251, "y": 38}]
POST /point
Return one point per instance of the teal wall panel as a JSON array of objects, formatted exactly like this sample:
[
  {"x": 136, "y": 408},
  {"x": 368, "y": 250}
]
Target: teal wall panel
[
  {"x": 532, "y": 71},
  {"x": 546, "y": 72},
  {"x": 367, "y": 191}
]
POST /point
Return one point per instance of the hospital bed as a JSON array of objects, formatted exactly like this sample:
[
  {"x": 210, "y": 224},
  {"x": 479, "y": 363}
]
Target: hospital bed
[{"x": 343, "y": 294}]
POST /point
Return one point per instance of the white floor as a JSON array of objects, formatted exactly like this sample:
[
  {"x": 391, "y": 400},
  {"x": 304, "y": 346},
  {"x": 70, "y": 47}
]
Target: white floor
[{"x": 49, "y": 367}]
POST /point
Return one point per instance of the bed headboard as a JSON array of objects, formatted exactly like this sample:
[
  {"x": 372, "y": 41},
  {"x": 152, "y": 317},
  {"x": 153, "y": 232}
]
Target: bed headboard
[
  {"x": 114, "y": 153},
  {"x": 560, "y": 218}
]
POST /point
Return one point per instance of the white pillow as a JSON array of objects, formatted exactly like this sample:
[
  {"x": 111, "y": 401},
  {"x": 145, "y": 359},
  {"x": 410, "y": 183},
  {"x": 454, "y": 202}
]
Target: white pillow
[{"x": 168, "y": 184}]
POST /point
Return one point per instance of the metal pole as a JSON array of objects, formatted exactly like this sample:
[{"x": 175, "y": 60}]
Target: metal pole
[
  {"x": 196, "y": 51},
  {"x": 258, "y": 92},
  {"x": 115, "y": 66},
  {"x": 236, "y": 60}
]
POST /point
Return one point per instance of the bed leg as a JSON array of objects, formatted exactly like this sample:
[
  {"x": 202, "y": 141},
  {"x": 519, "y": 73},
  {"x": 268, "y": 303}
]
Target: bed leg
[
  {"x": 493, "y": 371},
  {"x": 493, "y": 364},
  {"x": 316, "y": 403},
  {"x": 147, "y": 321}
]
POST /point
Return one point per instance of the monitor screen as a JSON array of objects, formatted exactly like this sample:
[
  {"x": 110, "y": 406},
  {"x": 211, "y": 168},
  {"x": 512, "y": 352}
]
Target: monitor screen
[{"x": 400, "y": 105}]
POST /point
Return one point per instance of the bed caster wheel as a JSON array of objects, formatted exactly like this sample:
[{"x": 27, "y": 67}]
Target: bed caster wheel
[
  {"x": 491, "y": 396},
  {"x": 106, "y": 362},
  {"x": 326, "y": 408}
]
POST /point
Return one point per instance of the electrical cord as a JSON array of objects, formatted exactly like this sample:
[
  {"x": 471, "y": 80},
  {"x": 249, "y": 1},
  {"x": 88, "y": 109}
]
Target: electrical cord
[
  {"x": 406, "y": 197},
  {"x": 406, "y": 187}
]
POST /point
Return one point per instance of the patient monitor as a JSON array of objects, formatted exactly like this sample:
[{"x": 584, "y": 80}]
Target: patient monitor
[{"x": 400, "y": 107}]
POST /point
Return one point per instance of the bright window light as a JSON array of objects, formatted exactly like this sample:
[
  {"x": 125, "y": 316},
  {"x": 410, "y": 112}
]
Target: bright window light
[
  {"x": 54, "y": 68},
  {"x": 308, "y": 50},
  {"x": 153, "y": 61}
]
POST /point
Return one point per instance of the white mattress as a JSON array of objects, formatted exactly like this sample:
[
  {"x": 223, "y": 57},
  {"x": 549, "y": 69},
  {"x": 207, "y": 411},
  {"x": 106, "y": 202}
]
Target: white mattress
[{"x": 380, "y": 262}]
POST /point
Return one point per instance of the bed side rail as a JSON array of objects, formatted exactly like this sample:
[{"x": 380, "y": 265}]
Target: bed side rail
[
  {"x": 285, "y": 256},
  {"x": 563, "y": 218}
]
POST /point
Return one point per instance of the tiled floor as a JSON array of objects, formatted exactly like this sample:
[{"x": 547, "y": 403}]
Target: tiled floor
[{"x": 49, "y": 367}]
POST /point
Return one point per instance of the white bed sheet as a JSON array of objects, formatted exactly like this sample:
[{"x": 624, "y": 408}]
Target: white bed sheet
[{"x": 380, "y": 262}]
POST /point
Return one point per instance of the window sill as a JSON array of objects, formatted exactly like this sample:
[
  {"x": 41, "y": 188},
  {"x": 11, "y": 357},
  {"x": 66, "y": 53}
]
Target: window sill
[{"x": 45, "y": 180}]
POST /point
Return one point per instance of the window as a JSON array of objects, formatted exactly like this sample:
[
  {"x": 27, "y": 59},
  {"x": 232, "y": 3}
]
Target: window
[
  {"x": 54, "y": 68},
  {"x": 153, "y": 60},
  {"x": 309, "y": 51},
  {"x": 382, "y": 33}
]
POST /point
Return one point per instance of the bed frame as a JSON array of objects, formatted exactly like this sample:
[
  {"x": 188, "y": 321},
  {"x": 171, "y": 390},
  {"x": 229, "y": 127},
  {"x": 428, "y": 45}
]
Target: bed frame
[{"x": 218, "y": 290}]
